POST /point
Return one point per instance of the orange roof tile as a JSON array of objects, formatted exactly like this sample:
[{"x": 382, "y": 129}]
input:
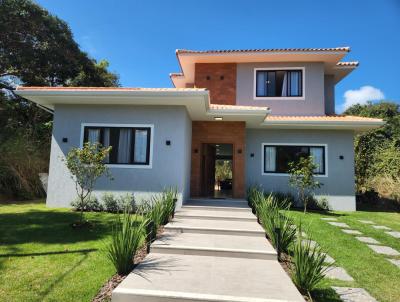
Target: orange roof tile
[
  {"x": 323, "y": 118},
  {"x": 188, "y": 51},
  {"x": 44, "y": 88},
  {"x": 235, "y": 107}
]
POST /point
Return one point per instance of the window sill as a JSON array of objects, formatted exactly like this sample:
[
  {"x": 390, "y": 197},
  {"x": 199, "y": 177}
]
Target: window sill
[
  {"x": 113, "y": 166},
  {"x": 288, "y": 175},
  {"x": 274, "y": 98}
]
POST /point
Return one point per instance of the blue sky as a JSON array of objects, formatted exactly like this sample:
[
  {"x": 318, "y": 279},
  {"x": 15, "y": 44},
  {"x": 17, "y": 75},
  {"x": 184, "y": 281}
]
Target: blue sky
[{"x": 139, "y": 38}]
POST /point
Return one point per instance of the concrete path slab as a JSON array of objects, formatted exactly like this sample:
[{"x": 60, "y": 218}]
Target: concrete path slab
[
  {"x": 338, "y": 273},
  {"x": 380, "y": 227},
  {"x": 395, "y": 262},
  {"x": 217, "y": 204},
  {"x": 350, "y": 294},
  {"x": 209, "y": 259},
  {"x": 214, "y": 245},
  {"x": 367, "y": 221},
  {"x": 368, "y": 240},
  {"x": 212, "y": 214},
  {"x": 384, "y": 250},
  {"x": 329, "y": 259},
  {"x": 339, "y": 224},
  {"x": 186, "y": 278},
  {"x": 352, "y": 232},
  {"x": 328, "y": 218},
  {"x": 394, "y": 234},
  {"x": 222, "y": 227}
]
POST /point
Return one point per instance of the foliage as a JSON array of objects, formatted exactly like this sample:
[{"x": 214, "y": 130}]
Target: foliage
[
  {"x": 159, "y": 209},
  {"x": 20, "y": 164},
  {"x": 110, "y": 203},
  {"x": 126, "y": 202},
  {"x": 127, "y": 237},
  {"x": 284, "y": 199},
  {"x": 375, "y": 149},
  {"x": 302, "y": 177},
  {"x": 386, "y": 186},
  {"x": 36, "y": 49},
  {"x": 92, "y": 205},
  {"x": 86, "y": 166},
  {"x": 308, "y": 265},
  {"x": 279, "y": 227},
  {"x": 223, "y": 170}
]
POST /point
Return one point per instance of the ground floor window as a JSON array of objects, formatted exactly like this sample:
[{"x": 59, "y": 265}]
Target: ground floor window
[
  {"x": 276, "y": 158},
  {"x": 130, "y": 145}
]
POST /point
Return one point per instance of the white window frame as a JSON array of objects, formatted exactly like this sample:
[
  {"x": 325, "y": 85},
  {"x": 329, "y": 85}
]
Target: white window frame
[
  {"x": 276, "y": 98},
  {"x": 293, "y": 144},
  {"x": 124, "y": 166}
]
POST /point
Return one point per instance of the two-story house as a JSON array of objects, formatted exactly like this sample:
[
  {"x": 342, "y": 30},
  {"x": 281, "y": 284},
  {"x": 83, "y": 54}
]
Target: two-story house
[{"x": 248, "y": 111}]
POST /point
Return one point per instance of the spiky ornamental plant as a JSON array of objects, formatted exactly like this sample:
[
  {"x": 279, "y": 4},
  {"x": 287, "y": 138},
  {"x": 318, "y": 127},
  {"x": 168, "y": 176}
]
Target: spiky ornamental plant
[
  {"x": 127, "y": 237},
  {"x": 309, "y": 264},
  {"x": 278, "y": 226}
]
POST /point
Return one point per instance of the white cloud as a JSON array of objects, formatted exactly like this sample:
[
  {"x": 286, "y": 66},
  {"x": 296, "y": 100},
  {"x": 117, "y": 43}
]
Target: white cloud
[{"x": 362, "y": 96}]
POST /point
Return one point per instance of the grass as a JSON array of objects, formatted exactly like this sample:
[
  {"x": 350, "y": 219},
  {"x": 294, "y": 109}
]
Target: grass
[
  {"x": 370, "y": 270},
  {"x": 42, "y": 258}
]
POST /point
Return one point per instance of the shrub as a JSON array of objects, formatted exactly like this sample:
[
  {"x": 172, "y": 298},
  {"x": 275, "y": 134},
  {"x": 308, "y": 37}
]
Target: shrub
[
  {"x": 386, "y": 186},
  {"x": 127, "y": 237},
  {"x": 110, "y": 203},
  {"x": 308, "y": 265},
  {"x": 126, "y": 202},
  {"x": 319, "y": 204},
  {"x": 278, "y": 226},
  {"x": 91, "y": 204}
]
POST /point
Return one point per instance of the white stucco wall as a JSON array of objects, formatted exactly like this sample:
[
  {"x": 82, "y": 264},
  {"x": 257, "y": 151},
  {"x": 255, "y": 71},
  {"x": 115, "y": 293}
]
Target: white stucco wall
[
  {"x": 338, "y": 186},
  {"x": 170, "y": 164}
]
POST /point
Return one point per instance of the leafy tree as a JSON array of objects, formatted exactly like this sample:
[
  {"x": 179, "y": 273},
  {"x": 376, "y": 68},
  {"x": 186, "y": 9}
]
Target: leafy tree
[
  {"x": 36, "y": 49},
  {"x": 373, "y": 146},
  {"x": 86, "y": 166},
  {"x": 302, "y": 177}
]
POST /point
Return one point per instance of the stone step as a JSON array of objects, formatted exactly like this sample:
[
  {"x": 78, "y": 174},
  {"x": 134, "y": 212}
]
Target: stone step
[
  {"x": 221, "y": 227},
  {"x": 217, "y": 204},
  {"x": 184, "y": 278},
  {"x": 214, "y": 245},
  {"x": 212, "y": 214}
]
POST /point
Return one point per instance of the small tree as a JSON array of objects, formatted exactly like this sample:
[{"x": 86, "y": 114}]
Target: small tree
[
  {"x": 302, "y": 177},
  {"x": 86, "y": 166}
]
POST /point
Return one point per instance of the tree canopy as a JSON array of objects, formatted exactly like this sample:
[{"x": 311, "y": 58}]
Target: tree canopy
[
  {"x": 36, "y": 49},
  {"x": 377, "y": 152}
]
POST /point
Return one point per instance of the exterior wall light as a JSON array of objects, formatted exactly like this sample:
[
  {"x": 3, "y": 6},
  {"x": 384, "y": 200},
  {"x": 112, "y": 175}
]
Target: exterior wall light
[{"x": 218, "y": 118}]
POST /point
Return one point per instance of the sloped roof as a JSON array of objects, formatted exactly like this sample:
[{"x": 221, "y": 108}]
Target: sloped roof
[{"x": 188, "y": 51}]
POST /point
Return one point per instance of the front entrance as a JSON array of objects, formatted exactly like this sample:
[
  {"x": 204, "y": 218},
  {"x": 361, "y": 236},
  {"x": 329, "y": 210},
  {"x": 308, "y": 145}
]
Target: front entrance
[
  {"x": 218, "y": 150},
  {"x": 217, "y": 170}
]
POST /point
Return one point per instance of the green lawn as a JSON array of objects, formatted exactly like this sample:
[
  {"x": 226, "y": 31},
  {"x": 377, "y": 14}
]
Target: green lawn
[
  {"x": 43, "y": 259},
  {"x": 370, "y": 271}
]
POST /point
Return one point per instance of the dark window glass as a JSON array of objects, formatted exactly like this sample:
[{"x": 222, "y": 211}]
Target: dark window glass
[
  {"x": 279, "y": 83},
  {"x": 277, "y": 158},
  {"x": 129, "y": 145}
]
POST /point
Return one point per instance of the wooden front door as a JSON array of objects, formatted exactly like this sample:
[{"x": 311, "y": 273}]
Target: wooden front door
[{"x": 208, "y": 170}]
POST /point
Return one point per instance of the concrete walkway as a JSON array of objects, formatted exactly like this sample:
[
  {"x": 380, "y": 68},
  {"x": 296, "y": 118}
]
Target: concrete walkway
[{"x": 214, "y": 250}]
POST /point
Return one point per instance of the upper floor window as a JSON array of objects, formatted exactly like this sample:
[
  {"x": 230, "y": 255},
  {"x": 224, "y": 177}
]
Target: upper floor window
[
  {"x": 130, "y": 145},
  {"x": 279, "y": 83}
]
